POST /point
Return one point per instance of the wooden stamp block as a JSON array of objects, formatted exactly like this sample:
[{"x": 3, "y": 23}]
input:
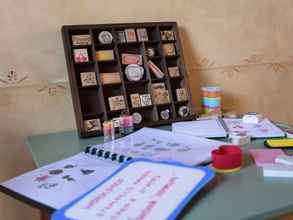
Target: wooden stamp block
[
  {"x": 84, "y": 39},
  {"x": 80, "y": 55},
  {"x": 92, "y": 125},
  {"x": 130, "y": 35},
  {"x": 167, "y": 35},
  {"x": 135, "y": 100},
  {"x": 109, "y": 78},
  {"x": 128, "y": 58},
  {"x": 173, "y": 71},
  {"x": 102, "y": 55},
  {"x": 161, "y": 96},
  {"x": 169, "y": 49},
  {"x": 155, "y": 70},
  {"x": 88, "y": 79},
  {"x": 181, "y": 94},
  {"x": 156, "y": 86},
  {"x": 142, "y": 34},
  {"x": 121, "y": 36},
  {"x": 145, "y": 100},
  {"x": 116, "y": 103}
]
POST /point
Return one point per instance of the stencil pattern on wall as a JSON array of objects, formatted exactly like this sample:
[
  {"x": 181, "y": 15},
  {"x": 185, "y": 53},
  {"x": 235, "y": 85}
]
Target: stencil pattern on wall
[
  {"x": 53, "y": 89},
  {"x": 13, "y": 78}
]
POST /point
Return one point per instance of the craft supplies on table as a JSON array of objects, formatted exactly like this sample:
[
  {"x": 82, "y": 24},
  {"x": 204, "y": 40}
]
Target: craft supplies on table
[
  {"x": 239, "y": 138},
  {"x": 227, "y": 159},
  {"x": 263, "y": 157},
  {"x": 211, "y": 98},
  {"x": 279, "y": 143},
  {"x": 277, "y": 170},
  {"x": 109, "y": 131},
  {"x": 126, "y": 124},
  {"x": 252, "y": 118}
]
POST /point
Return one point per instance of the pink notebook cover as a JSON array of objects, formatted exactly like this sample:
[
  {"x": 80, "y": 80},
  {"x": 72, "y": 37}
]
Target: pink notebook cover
[{"x": 265, "y": 156}]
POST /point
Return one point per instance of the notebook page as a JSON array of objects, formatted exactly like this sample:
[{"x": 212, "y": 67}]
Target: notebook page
[
  {"x": 57, "y": 184},
  {"x": 157, "y": 144}
]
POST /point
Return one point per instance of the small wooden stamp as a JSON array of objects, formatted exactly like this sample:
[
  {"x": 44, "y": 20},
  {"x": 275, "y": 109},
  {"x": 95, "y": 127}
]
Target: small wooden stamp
[
  {"x": 130, "y": 35},
  {"x": 161, "y": 96},
  {"x": 121, "y": 36},
  {"x": 173, "y": 71},
  {"x": 79, "y": 40},
  {"x": 167, "y": 35},
  {"x": 145, "y": 100},
  {"x": 142, "y": 34},
  {"x": 135, "y": 100},
  {"x": 109, "y": 78},
  {"x": 116, "y": 103},
  {"x": 92, "y": 125},
  {"x": 181, "y": 94},
  {"x": 169, "y": 49},
  {"x": 80, "y": 55},
  {"x": 102, "y": 55},
  {"x": 128, "y": 58},
  {"x": 88, "y": 79}
]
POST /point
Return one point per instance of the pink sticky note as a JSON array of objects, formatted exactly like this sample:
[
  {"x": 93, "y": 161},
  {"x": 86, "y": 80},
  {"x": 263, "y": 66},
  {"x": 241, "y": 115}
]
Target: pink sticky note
[{"x": 265, "y": 156}]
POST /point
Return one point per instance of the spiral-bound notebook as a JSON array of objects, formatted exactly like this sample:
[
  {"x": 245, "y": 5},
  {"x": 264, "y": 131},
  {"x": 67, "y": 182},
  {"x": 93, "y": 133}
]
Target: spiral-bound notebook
[
  {"x": 71, "y": 177},
  {"x": 156, "y": 144}
]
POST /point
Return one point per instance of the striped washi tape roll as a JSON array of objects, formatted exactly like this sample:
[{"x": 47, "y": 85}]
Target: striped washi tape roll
[
  {"x": 211, "y": 91},
  {"x": 211, "y": 102}
]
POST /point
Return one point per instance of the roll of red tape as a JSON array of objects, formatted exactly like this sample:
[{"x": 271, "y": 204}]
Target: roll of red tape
[{"x": 227, "y": 157}]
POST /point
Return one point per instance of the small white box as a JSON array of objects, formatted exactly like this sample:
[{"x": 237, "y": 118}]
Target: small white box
[{"x": 252, "y": 118}]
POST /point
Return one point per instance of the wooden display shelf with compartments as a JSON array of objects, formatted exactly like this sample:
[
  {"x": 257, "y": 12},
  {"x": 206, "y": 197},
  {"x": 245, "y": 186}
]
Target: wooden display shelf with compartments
[{"x": 126, "y": 68}]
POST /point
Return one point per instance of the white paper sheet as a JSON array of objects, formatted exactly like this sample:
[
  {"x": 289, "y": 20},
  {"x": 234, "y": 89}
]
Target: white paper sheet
[
  {"x": 57, "y": 184},
  {"x": 210, "y": 128},
  {"x": 264, "y": 129},
  {"x": 157, "y": 144}
]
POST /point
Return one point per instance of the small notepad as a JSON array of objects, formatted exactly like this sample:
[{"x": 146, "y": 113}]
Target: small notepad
[
  {"x": 265, "y": 156},
  {"x": 277, "y": 170},
  {"x": 210, "y": 128}
]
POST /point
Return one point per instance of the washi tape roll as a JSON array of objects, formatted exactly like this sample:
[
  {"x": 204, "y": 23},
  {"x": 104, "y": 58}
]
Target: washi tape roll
[
  {"x": 239, "y": 138},
  {"x": 228, "y": 158},
  {"x": 211, "y": 91},
  {"x": 211, "y": 102}
]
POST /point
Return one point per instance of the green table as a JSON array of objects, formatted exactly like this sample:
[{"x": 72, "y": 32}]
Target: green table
[{"x": 243, "y": 195}]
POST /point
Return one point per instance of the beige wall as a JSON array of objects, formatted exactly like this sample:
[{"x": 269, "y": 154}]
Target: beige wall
[{"x": 244, "y": 46}]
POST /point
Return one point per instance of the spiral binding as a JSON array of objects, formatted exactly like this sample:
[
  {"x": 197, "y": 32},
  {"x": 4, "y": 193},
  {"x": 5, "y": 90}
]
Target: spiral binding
[{"x": 106, "y": 154}]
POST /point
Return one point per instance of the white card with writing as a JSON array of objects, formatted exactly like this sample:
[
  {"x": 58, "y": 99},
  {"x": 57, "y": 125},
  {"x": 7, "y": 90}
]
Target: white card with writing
[{"x": 160, "y": 190}]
